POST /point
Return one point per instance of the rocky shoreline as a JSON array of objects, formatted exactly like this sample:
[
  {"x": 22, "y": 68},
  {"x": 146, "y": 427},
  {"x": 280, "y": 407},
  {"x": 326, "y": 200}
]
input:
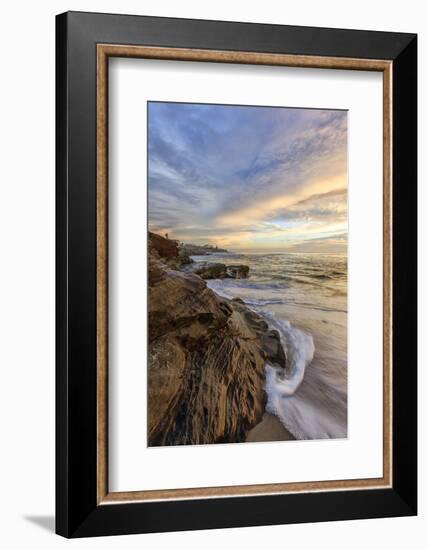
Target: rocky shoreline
[
  {"x": 207, "y": 357},
  {"x": 215, "y": 270}
]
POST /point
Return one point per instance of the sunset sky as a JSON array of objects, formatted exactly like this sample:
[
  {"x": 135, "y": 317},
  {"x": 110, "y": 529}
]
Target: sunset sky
[{"x": 249, "y": 179}]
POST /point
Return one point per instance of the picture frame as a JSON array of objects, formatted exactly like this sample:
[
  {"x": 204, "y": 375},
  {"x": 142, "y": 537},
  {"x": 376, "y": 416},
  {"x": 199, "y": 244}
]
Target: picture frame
[{"x": 84, "y": 44}]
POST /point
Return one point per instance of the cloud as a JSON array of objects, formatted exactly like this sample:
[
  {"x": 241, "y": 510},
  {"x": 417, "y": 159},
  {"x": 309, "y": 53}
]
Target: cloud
[
  {"x": 244, "y": 175},
  {"x": 322, "y": 207}
]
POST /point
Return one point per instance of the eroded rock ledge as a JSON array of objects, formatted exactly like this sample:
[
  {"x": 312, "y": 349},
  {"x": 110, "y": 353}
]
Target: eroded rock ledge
[{"x": 206, "y": 358}]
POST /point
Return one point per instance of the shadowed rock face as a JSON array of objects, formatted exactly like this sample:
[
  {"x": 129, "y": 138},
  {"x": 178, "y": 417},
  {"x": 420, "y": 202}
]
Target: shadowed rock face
[
  {"x": 166, "y": 248},
  {"x": 206, "y": 359}
]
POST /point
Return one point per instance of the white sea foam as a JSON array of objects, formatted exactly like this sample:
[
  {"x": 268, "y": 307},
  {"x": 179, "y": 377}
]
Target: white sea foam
[
  {"x": 260, "y": 303},
  {"x": 299, "y": 347}
]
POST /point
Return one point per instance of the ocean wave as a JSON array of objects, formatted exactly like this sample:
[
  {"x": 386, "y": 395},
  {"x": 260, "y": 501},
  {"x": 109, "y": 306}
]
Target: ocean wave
[
  {"x": 300, "y": 349},
  {"x": 233, "y": 284},
  {"x": 266, "y": 302},
  {"x": 228, "y": 290},
  {"x": 320, "y": 307},
  {"x": 254, "y": 302}
]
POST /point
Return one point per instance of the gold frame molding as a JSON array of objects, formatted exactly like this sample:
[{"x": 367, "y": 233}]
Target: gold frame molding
[{"x": 104, "y": 52}]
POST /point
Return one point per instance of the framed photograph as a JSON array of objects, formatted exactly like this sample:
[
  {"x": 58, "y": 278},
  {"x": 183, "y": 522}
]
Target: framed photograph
[{"x": 236, "y": 274}]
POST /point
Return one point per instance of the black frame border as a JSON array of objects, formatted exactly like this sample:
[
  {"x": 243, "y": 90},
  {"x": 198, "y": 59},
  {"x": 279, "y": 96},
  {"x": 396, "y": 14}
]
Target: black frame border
[{"x": 77, "y": 512}]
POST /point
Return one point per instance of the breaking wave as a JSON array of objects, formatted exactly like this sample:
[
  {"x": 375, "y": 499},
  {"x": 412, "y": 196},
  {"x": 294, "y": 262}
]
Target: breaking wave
[{"x": 300, "y": 349}]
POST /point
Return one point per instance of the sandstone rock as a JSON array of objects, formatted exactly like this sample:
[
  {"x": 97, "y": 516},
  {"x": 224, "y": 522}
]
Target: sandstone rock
[
  {"x": 183, "y": 259},
  {"x": 238, "y": 271},
  {"x": 214, "y": 270},
  {"x": 166, "y": 248},
  {"x": 210, "y": 270},
  {"x": 206, "y": 359},
  {"x": 273, "y": 349}
]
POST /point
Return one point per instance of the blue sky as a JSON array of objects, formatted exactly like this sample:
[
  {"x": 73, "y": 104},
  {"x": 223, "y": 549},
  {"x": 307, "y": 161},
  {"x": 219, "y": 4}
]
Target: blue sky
[{"x": 249, "y": 178}]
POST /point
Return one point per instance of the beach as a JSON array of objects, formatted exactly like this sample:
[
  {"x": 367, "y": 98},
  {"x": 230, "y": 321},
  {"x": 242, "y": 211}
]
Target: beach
[{"x": 269, "y": 429}]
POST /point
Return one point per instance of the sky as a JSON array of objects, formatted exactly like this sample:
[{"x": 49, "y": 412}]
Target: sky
[{"x": 248, "y": 179}]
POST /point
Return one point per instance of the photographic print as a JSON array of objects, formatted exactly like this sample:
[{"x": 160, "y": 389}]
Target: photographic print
[
  {"x": 235, "y": 274},
  {"x": 247, "y": 271}
]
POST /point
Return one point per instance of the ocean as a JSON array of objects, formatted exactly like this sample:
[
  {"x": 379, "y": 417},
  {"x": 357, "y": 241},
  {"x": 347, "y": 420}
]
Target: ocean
[{"x": 304, "y": 297}]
